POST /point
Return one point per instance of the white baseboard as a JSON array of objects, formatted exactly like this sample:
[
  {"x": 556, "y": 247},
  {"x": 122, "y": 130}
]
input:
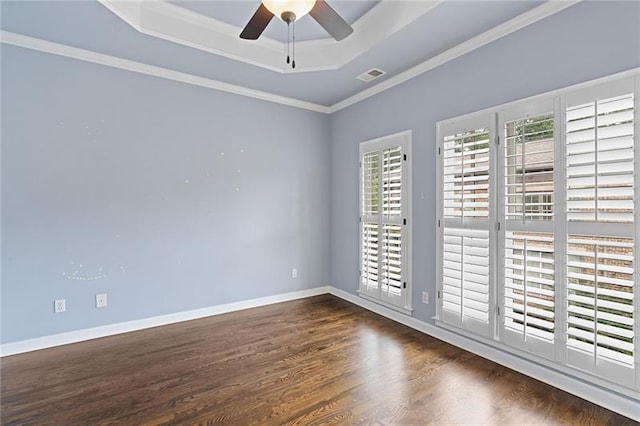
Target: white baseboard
[
  {"x": 44, "y": 342},
  {"x": 608, "y": 399},
  {"x": 611, "y": 400}
]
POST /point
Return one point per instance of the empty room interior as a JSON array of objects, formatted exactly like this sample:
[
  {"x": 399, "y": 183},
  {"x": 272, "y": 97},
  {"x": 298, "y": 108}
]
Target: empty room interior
[{"x": 319, "y": 212}]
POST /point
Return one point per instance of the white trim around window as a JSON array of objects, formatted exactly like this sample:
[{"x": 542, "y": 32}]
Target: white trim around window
[
  {"x": 550, "y": 214},
  {"x": 385, "y": 221}
]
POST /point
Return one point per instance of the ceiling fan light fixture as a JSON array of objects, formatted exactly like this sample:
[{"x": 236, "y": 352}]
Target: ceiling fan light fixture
[{"x": 280, "y": 8}]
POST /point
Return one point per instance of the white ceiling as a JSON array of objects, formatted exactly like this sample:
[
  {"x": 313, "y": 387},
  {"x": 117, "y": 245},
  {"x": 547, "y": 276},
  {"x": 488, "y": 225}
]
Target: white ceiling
[{"x": 197, "y": 39}]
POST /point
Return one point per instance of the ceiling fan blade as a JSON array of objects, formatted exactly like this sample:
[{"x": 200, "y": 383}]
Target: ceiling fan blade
[
  {"x": 330, "y": 20},
  {"x": 257, "y": 23}
]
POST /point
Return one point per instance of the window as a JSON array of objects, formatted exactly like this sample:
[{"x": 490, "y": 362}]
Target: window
[
  {"x": 600, "y": 250},
  {"x": 466, "y": 187},
  {"x": 526, "y": 286},
  {"x": 384, "y": 220},
  {"x": 537, "y": 229}
]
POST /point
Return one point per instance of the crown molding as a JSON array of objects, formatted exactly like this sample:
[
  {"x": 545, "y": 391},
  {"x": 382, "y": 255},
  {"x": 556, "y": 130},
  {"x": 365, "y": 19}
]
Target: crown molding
[
  {"x": 32, "y": 43},
  {"x": 534, "y": 15},
  {"x": 170, "y": 22},
  {"x": 546, "y": 9}
]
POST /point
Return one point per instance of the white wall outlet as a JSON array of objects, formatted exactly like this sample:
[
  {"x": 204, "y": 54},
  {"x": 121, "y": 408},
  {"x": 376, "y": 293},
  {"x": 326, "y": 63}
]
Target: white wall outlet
[
  {"x": 101, "y": 300},
  {"x": 294, "y": 273},
  {"x": 59, "y": 305},
  {"x": 425, "y": 297}
]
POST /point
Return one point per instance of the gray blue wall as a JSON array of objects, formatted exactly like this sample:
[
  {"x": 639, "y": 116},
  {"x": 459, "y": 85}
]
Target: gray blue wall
[
  {"x": 184, "y": 196},
  {"x": 583, "y": 42},
  {"x": 95, "y": 165}
]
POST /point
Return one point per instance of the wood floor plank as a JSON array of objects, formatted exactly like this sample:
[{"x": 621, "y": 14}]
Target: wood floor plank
[{"x": 313, "y": 361}]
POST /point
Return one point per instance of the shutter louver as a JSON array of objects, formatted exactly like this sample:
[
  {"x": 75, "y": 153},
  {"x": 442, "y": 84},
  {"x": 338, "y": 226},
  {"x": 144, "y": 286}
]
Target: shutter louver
[
  {"x": 392, "y": 182},
  {"x": 465, "y": 286},
  {"x": 529, "y": 168},
  {"x": 370, "y": 184},
  {"x": 392, "y": 259},
  {"x": 599, "y": 160},
  {"x": 529, "y": 292},
  {"x": 466, "y": 175},
  {"x": 600, "y": 294},
  {"x": 369, "y": 255}
]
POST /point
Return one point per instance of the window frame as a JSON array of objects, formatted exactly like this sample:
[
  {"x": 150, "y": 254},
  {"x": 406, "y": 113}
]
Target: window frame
[
  {"x": 558, "y": 361},
  {"x": 458, "y": 125},
  {"x": 404, "y": 141}
]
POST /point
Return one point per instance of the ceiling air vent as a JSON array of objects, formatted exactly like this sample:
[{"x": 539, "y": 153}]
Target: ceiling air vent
[{"x": 371, "y": 75}]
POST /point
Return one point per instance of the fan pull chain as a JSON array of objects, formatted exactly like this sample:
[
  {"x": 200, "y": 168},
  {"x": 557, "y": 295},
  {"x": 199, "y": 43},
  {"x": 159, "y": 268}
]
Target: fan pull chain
[
  {"x": 293, "y": 63},
  {"x": 288, "y": 28}
]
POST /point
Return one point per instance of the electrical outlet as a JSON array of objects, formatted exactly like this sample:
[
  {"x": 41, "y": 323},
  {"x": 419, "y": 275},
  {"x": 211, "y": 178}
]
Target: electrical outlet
[
  {"x": 425, "y": 297},
  {"x": 294, "y": 273},
  {"x": 59, "y": 306},
  {"x": 101, "y": 300}
]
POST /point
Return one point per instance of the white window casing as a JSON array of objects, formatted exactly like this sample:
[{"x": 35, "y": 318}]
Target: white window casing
[
  {"x": 600, "y": 251},
  {"x": 526, "y": 244},
  {"x": 466, "y": 187},
  {"x": 385, "y": 223},
  {"x": 538, "y": 251}
]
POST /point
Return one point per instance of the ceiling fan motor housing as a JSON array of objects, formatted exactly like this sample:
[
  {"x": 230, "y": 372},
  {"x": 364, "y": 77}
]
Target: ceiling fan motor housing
[{"x": 288, "y": 16}]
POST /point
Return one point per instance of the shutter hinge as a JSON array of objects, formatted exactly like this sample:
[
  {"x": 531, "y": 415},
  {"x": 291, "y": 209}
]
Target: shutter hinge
[
  {"x": 360, "y": 219},
  {"x": 498, "y": 226},
  {"x": 438, "y": 223},
  {"x": 439, "y": 151},
  {"x": 497, "y": 140},
  {"x": 361, "y": 164},
  {"x": 438, "y": 294},
  {"x": 498, "y": 310},
  {"x": 405, "y": 157},
  {"x": 404, "y": 284},
  {"x": 404, "y": 221}
]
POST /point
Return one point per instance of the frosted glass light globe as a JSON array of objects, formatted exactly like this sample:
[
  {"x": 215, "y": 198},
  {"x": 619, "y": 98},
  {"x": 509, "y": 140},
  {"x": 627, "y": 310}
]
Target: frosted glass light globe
[{"x": 299, "y": 7}]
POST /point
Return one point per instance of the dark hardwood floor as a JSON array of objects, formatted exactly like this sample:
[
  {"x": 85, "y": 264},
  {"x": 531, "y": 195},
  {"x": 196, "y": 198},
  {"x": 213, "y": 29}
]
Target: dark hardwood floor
[{"x": 312, "y": 361}]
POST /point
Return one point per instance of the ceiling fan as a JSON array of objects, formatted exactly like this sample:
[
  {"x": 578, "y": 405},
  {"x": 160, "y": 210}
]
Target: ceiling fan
[{"x": 291, "y": 10}]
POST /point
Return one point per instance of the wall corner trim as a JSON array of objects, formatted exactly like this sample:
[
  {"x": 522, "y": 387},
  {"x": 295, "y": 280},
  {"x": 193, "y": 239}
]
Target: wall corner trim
[{"x": 44, "y": 342}]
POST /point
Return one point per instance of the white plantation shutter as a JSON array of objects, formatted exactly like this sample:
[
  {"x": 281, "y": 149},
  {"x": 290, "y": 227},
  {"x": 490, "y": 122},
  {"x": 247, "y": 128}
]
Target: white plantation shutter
[
  {"x": 369, "y": 256},
  {"x": 600, "y": 305},
  {"x": 600, "y": 160},
  {"x": 537, "y": 230},
  {"x": 392, "y": 281},
  {"x": 527, "y": 287},
  {"x": 465, "y": 279},
  {"x": 529, "y": 292},
  {"x": 466, "y": 174},
  {"x": 384, "y": 235},
  {"x": 600, "y": 248},
  {"x": 465, "y": 269},
  {"x": 370, "y": 184},
  {"x": 369, "y": 209},
  {"x": 528, "y": 160},
  {"x": 392, "y": 181}
]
